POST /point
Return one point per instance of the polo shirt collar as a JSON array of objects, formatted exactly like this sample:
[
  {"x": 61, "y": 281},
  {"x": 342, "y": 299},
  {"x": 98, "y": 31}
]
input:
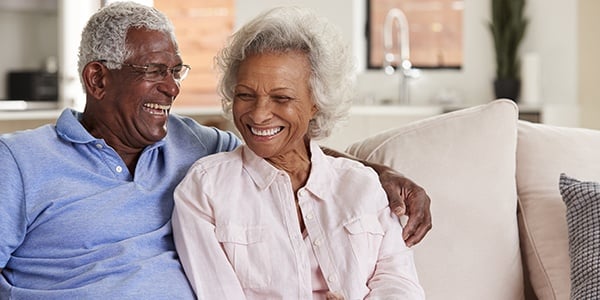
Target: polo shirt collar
[{"x": 69, "y": 128}]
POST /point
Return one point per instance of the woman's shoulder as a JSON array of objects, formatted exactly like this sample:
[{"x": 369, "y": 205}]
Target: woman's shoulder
[
  {"x": 351, "y": 167},
  {"x": 221, "y": 160}
]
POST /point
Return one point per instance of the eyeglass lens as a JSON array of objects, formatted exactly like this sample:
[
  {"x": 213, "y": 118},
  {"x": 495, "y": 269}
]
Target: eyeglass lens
[{"x": 157, "y": 72}]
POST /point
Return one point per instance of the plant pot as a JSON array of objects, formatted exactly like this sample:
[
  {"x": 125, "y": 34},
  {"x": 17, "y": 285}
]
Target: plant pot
[{"x": 507, "y": 88}]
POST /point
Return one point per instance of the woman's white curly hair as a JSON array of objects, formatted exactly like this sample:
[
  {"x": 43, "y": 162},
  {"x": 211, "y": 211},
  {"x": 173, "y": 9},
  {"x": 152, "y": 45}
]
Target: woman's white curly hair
[{"x": 283, "y": 29}]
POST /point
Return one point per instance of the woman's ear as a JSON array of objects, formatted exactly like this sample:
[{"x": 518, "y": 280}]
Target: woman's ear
[{"x": 94, "y": 77}]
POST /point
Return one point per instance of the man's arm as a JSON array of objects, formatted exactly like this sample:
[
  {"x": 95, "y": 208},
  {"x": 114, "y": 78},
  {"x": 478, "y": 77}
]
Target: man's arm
[{"x": 405, "y": 197}]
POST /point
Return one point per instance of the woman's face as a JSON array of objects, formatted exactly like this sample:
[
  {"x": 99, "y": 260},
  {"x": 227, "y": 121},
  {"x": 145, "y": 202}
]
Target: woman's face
[{"x": 273, "y": 103}]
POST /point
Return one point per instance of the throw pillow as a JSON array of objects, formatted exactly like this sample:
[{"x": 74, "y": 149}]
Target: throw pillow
[{"x": 583, "y": 221}]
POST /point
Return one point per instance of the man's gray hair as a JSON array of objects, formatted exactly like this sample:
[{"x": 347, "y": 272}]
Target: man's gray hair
[{"x": 105, "y": 33}]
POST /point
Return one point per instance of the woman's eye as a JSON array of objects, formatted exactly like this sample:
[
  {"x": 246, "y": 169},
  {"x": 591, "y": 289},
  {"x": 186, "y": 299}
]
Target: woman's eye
[
  {"x": 282, "y": 98},
  {"x": 244, "y": 96}
]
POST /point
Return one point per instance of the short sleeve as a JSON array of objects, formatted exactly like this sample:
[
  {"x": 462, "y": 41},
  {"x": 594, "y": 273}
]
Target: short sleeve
[{"x": 13, "y": 220}]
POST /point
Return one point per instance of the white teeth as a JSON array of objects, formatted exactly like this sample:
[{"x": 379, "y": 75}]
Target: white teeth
[
  {"x": 157, "y": 109},
  {"x": 266, "y": 132},
  {"x": 157, "y": 106}
]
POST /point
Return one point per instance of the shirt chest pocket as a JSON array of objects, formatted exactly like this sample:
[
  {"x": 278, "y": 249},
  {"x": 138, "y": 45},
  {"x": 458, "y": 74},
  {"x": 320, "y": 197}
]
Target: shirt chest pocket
[
  {"x": 365, "y": 234},
  {"x": 247, "y": 250}
]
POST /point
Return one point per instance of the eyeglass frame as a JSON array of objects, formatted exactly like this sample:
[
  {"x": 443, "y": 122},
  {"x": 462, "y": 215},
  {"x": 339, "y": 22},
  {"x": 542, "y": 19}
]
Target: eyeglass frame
[{"x": 161, "y": 68}]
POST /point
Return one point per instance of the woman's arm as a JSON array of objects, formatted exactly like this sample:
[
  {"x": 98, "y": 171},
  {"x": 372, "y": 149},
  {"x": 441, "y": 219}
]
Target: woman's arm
[
  {"x": 395, "y": 271},
  {"x": 205, "y": 264},
  {"x": 405, "y": 198}
]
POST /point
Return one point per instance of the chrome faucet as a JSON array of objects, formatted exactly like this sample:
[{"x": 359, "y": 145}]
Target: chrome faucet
[{"x": 397, "y": 16}]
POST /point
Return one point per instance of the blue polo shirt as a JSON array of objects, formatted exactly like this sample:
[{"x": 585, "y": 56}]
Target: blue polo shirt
[{"x": 75, "y": 224}]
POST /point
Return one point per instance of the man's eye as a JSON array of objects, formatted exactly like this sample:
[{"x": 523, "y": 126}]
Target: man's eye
[{"x": 154, "y": 70}]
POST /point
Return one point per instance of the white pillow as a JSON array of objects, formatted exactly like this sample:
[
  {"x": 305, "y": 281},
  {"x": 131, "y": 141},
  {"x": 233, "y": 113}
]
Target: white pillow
[
  {"x": 543, "y": 153},
  {"x": 466, "y": 162}
]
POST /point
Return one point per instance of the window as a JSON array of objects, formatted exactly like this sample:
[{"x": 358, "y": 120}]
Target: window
[
  {"x": 434, "y": 33},
  {"x": 201, "y": 28}
]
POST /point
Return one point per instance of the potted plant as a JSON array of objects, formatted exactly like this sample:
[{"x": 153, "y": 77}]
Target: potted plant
[{"x": 508, "y": 26}]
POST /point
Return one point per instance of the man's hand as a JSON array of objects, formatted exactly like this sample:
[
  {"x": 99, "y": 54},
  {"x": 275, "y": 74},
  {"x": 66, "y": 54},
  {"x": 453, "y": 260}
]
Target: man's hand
[{"x": 407, "y": 198}]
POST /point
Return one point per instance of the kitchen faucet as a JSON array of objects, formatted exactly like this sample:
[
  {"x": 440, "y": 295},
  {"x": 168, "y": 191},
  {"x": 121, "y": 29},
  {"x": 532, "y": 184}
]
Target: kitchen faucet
[{"x": 395, "y": 16}]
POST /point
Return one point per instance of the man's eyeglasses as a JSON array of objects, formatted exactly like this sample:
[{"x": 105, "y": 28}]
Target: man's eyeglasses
[{"x": 157, "y": 72}]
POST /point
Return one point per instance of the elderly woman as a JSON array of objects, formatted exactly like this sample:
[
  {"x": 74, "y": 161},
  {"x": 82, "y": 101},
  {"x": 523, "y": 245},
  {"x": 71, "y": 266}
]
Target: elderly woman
[{"x": 277, "y": 218}]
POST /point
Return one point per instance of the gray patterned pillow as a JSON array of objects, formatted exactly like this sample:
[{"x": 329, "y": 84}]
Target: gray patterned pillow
[{"x": 583, "y": 221}]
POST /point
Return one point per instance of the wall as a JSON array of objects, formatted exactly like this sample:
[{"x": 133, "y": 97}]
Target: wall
[
  {"x": 29, "y": 37},
  {"x": 569, "y": 60},
  {"x": 552, "y": 35},
  {"x": 73, "y": 15},
  {"x": 589, "y": 63}
]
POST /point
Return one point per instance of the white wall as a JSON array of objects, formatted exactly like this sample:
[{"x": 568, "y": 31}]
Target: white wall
[
  {"x": 589, "y": 63},
  {"x": 73, "y": 15},
  {"x": 552, "y": 35},
  {"x": 29, "y": 37}
]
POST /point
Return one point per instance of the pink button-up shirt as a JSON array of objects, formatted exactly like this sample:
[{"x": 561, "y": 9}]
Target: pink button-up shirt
[{"x": 237, "y": 231}]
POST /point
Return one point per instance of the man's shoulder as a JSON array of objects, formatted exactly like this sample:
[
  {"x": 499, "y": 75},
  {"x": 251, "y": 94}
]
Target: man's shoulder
[
  {"x": 186, "y": 131},
  {"x": 29, "y": 137},
  {"x": 183, "y": 125}
]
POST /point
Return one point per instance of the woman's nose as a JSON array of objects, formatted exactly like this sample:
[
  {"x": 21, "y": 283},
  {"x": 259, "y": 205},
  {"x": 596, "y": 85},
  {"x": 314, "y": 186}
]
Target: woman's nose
[{"x": 261, "y": 111}]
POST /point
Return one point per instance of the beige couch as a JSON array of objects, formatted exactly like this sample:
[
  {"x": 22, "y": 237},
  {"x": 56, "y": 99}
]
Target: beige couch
[{"x": 499, "y": 227}]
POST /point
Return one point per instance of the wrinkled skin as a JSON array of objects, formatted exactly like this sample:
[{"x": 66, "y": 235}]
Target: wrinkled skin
[
  {"x": 407, "y": 198},
  {"x": 272, "y": 97},
  {"x": 122, "y": 108}
]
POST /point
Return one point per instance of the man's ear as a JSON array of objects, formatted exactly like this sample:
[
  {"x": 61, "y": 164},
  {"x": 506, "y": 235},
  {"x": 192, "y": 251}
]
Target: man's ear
[{"x": 94, "y": 76}]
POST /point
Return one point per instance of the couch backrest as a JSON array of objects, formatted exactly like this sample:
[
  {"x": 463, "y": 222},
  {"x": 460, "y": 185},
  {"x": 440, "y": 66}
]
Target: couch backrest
[
  {"x": 543, "y": 152},
  {"x": 466, "y": 162}
]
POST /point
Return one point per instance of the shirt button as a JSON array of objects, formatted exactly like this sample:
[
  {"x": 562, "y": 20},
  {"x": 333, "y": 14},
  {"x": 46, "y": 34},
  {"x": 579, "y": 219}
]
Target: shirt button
[
  {"x": 331, "y": 278},
  {"x": 99, "y": 146},
  {"x": 302, "y": 193},
  {"x": 119, "y": 169},
  {"x": 310, "y": 216},
  {"x": 317, "y": 242}
]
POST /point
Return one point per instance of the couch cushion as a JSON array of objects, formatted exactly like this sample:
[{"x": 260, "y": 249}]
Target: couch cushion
[
  {"x": 543, "y": 153},
  {"x": 582, "y": 199},
  {"x": 466, "y": 162}
]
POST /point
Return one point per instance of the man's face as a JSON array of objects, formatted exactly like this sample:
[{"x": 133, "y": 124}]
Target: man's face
[{"x": 136, "y": 109}]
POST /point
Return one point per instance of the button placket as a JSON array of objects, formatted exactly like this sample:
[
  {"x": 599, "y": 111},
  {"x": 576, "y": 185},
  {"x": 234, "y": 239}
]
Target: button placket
[{"x": 113, "y": 162}]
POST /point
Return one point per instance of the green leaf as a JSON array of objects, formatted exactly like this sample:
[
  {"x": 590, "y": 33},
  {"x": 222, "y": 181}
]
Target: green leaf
[{"x": 508, "y": 26}]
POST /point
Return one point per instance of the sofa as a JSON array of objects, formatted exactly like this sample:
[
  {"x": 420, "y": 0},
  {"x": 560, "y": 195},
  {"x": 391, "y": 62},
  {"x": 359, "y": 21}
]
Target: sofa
[{"x": 500, "y": 227}]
